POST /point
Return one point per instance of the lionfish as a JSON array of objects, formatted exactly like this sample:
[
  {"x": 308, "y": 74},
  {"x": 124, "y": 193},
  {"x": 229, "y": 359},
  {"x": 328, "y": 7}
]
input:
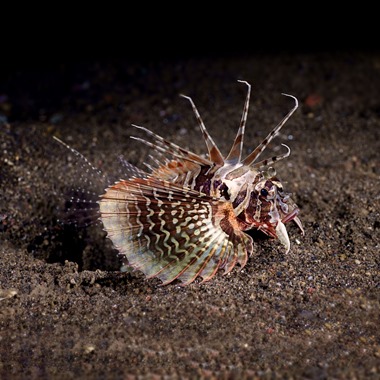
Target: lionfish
[{"x": 188, "y": 216}]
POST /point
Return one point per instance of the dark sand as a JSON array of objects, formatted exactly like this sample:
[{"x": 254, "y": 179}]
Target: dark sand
[{"x": 67, "y": 312}]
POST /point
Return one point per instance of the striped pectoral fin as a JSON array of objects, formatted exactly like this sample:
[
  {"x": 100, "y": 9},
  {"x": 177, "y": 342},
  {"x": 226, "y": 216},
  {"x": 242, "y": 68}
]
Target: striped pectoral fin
[
  {"x": 240, "y": 243},
  {"x": 172, "y": 232}
]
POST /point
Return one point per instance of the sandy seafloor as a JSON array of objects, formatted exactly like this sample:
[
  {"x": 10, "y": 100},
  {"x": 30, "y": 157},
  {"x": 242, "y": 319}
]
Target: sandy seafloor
[{"x": 67, "y": 312}]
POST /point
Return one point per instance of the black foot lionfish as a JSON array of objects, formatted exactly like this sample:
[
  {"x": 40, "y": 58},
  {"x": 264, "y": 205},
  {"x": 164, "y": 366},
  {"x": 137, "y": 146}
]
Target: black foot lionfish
[{"x": 187, "y": 216}]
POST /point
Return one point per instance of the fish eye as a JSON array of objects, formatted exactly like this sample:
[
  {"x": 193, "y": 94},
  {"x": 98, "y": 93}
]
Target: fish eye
[
  {"x": 264, "y": 192},
  {"x": 224, "y": 192}
]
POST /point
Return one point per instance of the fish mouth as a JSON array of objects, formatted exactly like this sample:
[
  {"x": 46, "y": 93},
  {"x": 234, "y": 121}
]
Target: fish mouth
[
  {"x": 277, "y": 229},
  {"x": 288, "y": 217},
  {"x": 282, "y": 233},
  {"x": 294, "y": 216}
]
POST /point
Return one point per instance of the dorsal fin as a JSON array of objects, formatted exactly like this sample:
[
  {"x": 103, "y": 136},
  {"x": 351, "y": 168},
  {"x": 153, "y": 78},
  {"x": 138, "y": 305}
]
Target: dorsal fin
[
  {"x": 251, "y": 158},
  {"x": 213, "y": 151},
  {"x": 165, "y": 147},
  {"x": 235, "y": 153},
  {"x": 270, "y": 161}
]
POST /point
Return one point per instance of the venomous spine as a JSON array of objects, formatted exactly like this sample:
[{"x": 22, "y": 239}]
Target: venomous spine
[{"x": 187, "y": 215}]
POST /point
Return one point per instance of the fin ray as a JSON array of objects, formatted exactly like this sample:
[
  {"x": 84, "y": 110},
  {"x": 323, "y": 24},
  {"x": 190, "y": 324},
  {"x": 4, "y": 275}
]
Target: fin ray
[
  {"x": 213, "y": 151},
  {"x": 234, "y": 156},
  {"x": 253, "y": 156}
]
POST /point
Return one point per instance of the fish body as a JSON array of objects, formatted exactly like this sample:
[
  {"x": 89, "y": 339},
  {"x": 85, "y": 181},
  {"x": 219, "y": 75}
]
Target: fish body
[{"x": 186, "y": 217}]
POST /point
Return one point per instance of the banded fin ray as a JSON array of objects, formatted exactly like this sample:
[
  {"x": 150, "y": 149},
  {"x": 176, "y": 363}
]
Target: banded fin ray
[
  {"x": 269, "y": 161},
  {"x": 131, "y": 171},
  {"x": 165, "y": 147},
  {"x": 234, "y": 156},
  {"x": 254, "y": 155},
  {"x": 81, "y": 195},
  {"x": 81, "y": 207},
  {"x": 213, "y": 151}
]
